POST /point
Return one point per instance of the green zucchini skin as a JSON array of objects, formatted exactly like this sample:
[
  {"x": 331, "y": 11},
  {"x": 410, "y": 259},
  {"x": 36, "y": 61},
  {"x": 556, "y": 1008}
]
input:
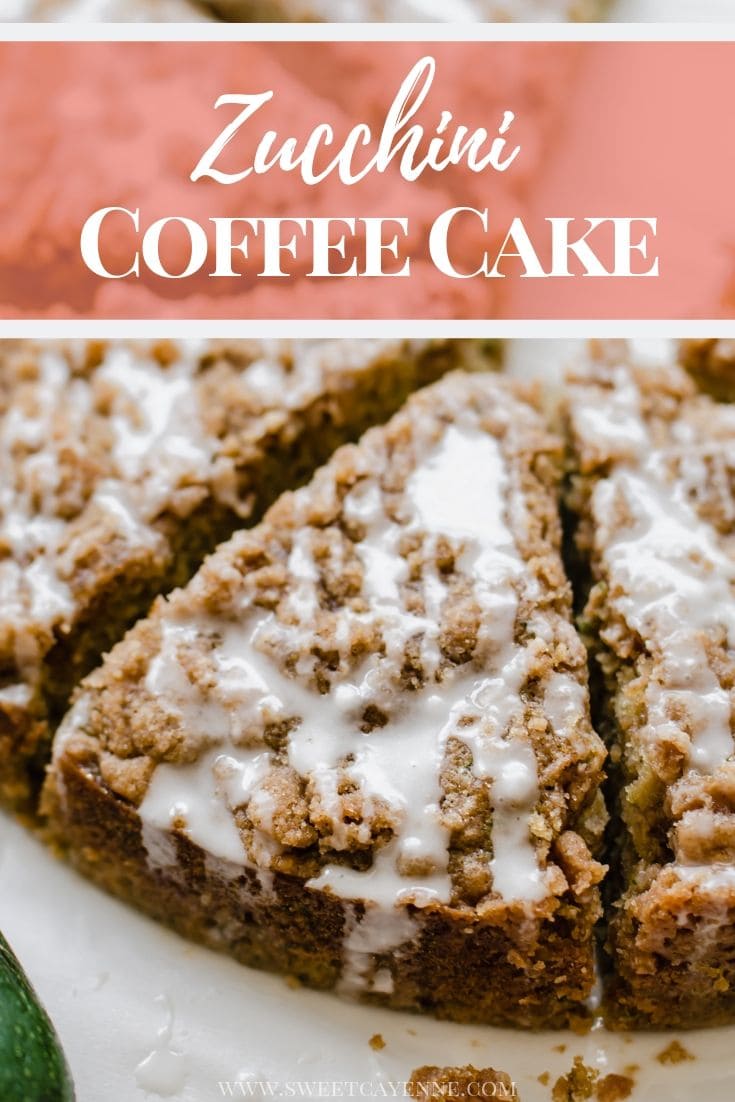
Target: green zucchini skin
[{"x": 32, "y": 1064}]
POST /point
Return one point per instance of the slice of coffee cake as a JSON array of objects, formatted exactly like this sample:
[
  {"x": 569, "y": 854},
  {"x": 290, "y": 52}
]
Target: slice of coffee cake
[
  {"x": 652, "y": 486},
  {"x": 122, "y": 465},
  {"x": 357, "y": 747}
]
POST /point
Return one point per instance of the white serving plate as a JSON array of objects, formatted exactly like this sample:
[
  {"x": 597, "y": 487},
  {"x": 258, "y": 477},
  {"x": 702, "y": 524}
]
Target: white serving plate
[{"x": 144, "y": 1015}]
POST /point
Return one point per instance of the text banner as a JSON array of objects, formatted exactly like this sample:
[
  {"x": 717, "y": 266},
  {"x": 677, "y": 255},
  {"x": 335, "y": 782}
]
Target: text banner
[{"x": 493, "y": 180}]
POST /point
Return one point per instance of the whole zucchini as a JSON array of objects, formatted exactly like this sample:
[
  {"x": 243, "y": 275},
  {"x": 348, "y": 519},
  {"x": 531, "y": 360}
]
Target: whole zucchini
[{"x": 32, "y": 1063}]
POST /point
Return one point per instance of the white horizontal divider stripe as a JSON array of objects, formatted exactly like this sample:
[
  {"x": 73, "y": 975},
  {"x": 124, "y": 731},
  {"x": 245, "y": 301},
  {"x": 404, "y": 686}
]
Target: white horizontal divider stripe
[
  {"x": 409, "y": 330},
  {"x": 368, "y": 32}
]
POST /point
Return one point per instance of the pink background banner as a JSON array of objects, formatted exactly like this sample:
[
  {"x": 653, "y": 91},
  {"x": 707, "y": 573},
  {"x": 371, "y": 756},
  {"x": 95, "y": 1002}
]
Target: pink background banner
[{"x": 367, "y": 180}]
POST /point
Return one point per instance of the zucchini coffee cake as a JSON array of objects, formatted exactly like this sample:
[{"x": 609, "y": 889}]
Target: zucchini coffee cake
[{"x": 356, "y": 745}]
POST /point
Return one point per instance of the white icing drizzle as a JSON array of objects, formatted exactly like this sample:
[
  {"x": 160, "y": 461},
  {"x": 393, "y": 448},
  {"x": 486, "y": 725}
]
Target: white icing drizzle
[
  {"x": 159, "y": 440},
  {"x": 160, "y": 847},
  {"x": 203, "y": 796},
  {"x": 565, "y": 700},
  {"x": 15, "y": 696},
  {"x": 160, "y": 456},
  {"x": 31, "y": 590},
  {"x": 287, "y": 374},
  {"x": 717, "y": 884},
  {"x": 669, "y": 578},
  {"x": 613, "y": 422},
  {"x": 163, "y": 1071},
  {"x": 709, "y": 878},
  {"x": 156, "y": 447},
  {"x": 459, "y": 491},
  {"x": 379, "y": 930},
  {"x": 155, "y": 456}
]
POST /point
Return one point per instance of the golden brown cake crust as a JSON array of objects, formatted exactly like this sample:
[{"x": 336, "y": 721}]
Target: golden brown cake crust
[{"x": 305, "y": 604}]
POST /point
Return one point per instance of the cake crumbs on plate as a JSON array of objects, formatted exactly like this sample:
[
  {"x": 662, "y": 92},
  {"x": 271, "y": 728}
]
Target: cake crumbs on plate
[
  {"x": 376, "y": 1042},
  {"x": 674, "y": 1053},
  {"x": 578, "y": 1085},
  {"x": 582, "y": 1083},
  {"x": 615, "y": 1088}
]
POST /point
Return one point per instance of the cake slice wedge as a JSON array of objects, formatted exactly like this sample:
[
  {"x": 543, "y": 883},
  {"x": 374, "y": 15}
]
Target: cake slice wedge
[
  {"x": 652, "y": 485},
  {"x": 356, "y": 748},
  {"x": 123, "y": 464}
]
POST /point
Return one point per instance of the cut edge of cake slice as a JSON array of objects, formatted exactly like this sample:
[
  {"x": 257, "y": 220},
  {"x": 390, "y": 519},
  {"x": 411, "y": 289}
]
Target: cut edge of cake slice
[
  {"x": 650, "y": 484},
  {"x": 356, "y": 748}
]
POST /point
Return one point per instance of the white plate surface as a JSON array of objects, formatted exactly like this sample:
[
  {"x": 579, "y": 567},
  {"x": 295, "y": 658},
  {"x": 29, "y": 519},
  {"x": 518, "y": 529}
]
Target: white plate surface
[{"x": 144, "y": 1015}]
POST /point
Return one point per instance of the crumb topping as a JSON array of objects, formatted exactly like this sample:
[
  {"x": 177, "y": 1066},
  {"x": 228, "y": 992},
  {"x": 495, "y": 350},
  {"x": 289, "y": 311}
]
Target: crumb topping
[
  {"x": 378, "y": 688},
  {"x": 656, "y": 466},
  {"x": 100, "y": 443}
]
